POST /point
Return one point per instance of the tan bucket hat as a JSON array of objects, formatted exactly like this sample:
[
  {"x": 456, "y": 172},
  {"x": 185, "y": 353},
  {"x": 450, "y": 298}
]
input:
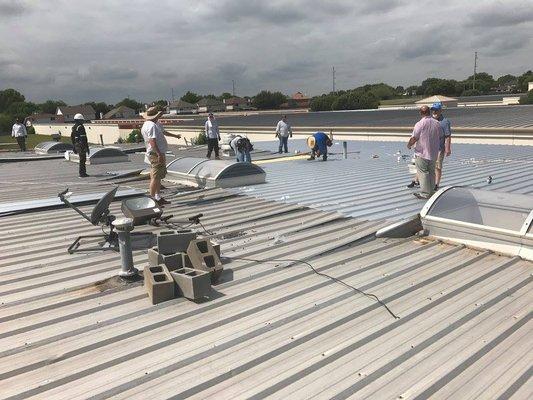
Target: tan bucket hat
[
  {"x": 152, "y": 113},
  {"x": 311, "y": 142}
]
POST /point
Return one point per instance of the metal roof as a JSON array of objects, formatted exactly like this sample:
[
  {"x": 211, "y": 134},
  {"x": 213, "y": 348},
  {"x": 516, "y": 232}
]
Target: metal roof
[
  {"x": 72, "y": 330},
  {"x": 479, "y": 117},
  {"x": 375, "y": 188}
]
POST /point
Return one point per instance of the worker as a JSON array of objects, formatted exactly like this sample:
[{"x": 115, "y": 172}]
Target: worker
[
  {"x": 19, "y": 133},
  {"x": 80, "y": 143},
  {"x": 242, "y": 147},
  {"x": 319, "y": 143}
]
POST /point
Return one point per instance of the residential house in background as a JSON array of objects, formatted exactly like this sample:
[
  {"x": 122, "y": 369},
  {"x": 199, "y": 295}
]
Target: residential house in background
[
  {"x": 121, "y": 112},
  {"x": 297, "y": 100},
  {"x": 66, "y": 113},
  {"x": 181, "y": 107},
  {"x": 210, "y": 105},
  {"x": 40, "y": 118},
  {"x": 237, "y": 103}
]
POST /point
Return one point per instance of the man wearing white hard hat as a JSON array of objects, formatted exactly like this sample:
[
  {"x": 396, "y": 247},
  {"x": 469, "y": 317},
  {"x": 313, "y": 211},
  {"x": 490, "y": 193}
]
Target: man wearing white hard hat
[
  {"x": 156, "y": 147},
  {"x": 79, "y": 141}
]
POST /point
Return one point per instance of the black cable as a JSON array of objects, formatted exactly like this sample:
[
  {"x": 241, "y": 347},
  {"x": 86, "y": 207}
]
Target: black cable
[
  {"x": 205, "y": 230},
  {"x": 369, "y": 295}
]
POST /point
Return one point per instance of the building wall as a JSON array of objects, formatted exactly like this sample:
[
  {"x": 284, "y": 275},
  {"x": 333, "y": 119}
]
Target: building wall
[{"x": 530, "y": 86}]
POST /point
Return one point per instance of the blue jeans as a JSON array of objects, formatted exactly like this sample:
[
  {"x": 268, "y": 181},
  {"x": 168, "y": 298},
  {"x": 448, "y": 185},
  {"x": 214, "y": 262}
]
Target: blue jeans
[
  {"x": 283, "y": 140},
  {"x": 243, "y": 156}
]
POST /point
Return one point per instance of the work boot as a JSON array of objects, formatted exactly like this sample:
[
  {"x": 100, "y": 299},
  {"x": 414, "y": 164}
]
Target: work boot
[
  {"x": 413, "y": 184},
  {"x": 162, "y": 201},
  {"x": 436, "y": 187},
  {"x": 311, "y": 158},
  {"x": 83, "y": 175}
]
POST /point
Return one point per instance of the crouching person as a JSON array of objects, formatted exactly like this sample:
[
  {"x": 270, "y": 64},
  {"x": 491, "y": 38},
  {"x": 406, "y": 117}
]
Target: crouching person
[
  {"x": 319, "y": 143},
  {"x": 242, "y": 147}
]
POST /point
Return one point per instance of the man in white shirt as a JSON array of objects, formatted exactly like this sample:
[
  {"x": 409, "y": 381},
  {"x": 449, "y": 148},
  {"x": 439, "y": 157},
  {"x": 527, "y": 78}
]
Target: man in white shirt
[
  {"x": 212, "y": 135},
  {"x": 19, "y": 133},
  {"x": 156, "y": 147},
  {"x": 283, "y": 131}
]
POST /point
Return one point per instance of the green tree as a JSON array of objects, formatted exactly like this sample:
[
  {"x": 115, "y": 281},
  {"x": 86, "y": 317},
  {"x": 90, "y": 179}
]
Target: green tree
[
  {"x": 527, "y": 98},
  {"x": 322, "y": 103},
  {"x": 191, "y": 97},
  {"x": 130, "y": 103},
  {"x": 471, "y": 92},
  {"x": 266, "y": 100},
  {"x": 8, "y": 97},
  {"x": 6, "y": 122},
  {"x": 100, "y": 107},
  {"x": 50, "y": 106},
  {"x": 225, "y": 95},
  {"x": 21, "y": 109},
  {"x": 523, "y": 80}
]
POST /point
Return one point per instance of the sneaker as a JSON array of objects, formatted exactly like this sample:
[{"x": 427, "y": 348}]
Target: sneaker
[
  {"x": 420, "y": 196},
  {"x": 436, "y": 187},
  {"x": 162, "y": 201},
  {"x": 83, "y": 176},
  {"x": 413, "y": 184}
]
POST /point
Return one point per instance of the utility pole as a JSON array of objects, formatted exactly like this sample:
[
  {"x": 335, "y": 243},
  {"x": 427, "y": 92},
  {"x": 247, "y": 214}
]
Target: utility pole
[
  {"x": 172, "y": 94},
  {"x": 475, "y": 70},
  {"x": 333, "y": 78},
  {"x": 233, "y": 85}
]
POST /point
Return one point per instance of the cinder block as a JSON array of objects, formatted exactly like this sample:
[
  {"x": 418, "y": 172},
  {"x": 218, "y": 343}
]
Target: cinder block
[
  {"x": 171, "y": 261},
  {"x": 204, "y": 257},
  {"x": 159, "y": 284},
  {"x": 216, "y": 246},
  {"x": 191, "y": 283},
  {"x": 170, "y": 242}
]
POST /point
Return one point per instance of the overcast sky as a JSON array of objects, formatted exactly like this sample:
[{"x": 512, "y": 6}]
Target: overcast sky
[{"x": 106, "y": 50}]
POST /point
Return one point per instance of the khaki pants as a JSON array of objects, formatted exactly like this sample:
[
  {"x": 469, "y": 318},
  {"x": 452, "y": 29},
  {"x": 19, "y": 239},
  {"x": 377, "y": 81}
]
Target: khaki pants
[{"x": 426, "y": 175}]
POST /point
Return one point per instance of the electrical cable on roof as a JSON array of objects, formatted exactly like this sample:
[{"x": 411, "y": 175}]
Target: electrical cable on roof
[{"x": 277, "y": 260}]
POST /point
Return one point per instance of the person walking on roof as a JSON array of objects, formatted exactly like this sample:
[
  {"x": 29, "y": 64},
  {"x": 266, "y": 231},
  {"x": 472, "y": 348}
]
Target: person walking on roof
[
  {"x": 445, "y": 144},
  {"x": 213, "y": 135},
  {"x": 18, "y": 131},
  {"x": 283, "y": 132},
  {"x": 426, "y": 139},
  {"x": 319, "y": 144},
  {"x": 242, "y": 147},
  {"x": 80, "y": 143},
  {"x": 156, "y": 148}
]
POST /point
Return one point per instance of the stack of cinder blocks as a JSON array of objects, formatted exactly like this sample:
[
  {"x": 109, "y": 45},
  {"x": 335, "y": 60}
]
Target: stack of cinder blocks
[{"x": 188, "y": 263}]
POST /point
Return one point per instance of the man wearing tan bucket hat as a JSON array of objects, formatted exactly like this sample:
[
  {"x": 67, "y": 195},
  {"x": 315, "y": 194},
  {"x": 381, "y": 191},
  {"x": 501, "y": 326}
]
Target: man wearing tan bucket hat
[{"x": 156, "y": 147}]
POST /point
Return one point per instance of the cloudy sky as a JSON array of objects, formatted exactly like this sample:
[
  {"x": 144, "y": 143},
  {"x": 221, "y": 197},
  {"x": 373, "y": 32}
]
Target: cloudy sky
[{"x": 106, "y": 50}]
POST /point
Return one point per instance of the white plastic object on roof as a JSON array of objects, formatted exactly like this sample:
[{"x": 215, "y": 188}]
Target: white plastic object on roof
[
  {"x": 200, "y": 172},
  {"x": 52, "y": 147},
  {"x": 497, "y": 221},
  {"x": 102, "y": 155}
]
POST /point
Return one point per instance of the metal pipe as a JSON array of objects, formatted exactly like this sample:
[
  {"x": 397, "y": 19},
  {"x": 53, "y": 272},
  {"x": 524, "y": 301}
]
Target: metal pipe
[
  {"x": 102, "y": 139},
  {"x": 345, "y": 150},
  {"x": 124, "y": 226}
]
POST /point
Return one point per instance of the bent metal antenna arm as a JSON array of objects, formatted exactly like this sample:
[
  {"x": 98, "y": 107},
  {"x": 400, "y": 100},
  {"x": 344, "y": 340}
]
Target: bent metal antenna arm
[{"x": 68, "y": 203}]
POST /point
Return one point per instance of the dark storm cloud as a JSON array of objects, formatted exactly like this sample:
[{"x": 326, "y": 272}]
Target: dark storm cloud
[
  {"x": 508, "y": 13},
  {"x": 143, "y": 49},
  {"x": 12, "y": 8}
]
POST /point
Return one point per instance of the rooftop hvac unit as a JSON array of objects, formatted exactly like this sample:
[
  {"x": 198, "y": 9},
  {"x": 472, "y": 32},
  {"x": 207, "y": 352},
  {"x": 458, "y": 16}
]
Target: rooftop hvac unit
[
  {"x": 52, "y": 147},
  {"x": 483, "y": 219},
  {"x": 200, "y": 172}
]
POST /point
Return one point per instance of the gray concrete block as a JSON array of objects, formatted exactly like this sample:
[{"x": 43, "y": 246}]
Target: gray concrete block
[
  {"x": 204, "y": 257},
  {"x": 171, "y": 261},
  {"x": 170, "y": 242},
  {"x": 191, "y": 283},
  {"x": 216, "y": 246},
  {"x": 159, "y": 284}
]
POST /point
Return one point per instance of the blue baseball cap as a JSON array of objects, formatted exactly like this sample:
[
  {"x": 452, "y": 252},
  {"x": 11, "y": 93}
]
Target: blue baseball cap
[{"x": 436, "y": 106}]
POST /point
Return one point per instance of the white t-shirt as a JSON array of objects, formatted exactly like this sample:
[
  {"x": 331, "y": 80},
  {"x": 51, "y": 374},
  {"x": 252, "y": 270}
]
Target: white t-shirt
[
  {"x": 153, "y": 130},
  {"x": 18, "y": 130},
  {"x": 283, "y": 129},
  {"x": 211, "y": 129}
]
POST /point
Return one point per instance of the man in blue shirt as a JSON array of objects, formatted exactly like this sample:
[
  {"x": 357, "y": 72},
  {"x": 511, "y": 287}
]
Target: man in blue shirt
[
  {"x": 319, "y": 144},
  {"x": 445, "y": 140}
]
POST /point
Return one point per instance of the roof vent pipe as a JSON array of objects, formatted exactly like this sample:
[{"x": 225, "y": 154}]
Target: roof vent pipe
[{"x": 124, "y": 226}]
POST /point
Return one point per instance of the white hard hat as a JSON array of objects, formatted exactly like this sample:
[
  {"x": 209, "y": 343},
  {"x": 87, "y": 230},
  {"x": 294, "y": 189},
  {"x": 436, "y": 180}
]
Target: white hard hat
[{"x": 79, "y": 116}]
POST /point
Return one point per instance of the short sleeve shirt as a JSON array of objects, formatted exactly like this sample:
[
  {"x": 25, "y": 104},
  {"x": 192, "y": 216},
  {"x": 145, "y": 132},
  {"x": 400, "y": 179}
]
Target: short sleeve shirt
[
  {"x": 427, "y": 132},
  {"x": 153, "y": 130},
  {"x": 446, "y": 132}
]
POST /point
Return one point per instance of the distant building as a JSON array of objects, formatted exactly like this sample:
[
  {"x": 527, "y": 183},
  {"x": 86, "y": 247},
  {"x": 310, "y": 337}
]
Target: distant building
[
  {"x": 41, "y": 118},
  {"x": 210, "y": 105},
  {"x": 529, "y": 86},
  {"x": 237, "y": 103},
  {"x": 446, "y": 101},
  {"x": 297, "y": 100},
  {"x": 121, "y": 112},
  {"x": 181, "y": 107},
  {"x": 66, "y": 113}
]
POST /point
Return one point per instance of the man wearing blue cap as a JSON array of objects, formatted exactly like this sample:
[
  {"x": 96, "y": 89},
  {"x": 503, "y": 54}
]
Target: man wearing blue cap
[{"x": 445, "y": 140}]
